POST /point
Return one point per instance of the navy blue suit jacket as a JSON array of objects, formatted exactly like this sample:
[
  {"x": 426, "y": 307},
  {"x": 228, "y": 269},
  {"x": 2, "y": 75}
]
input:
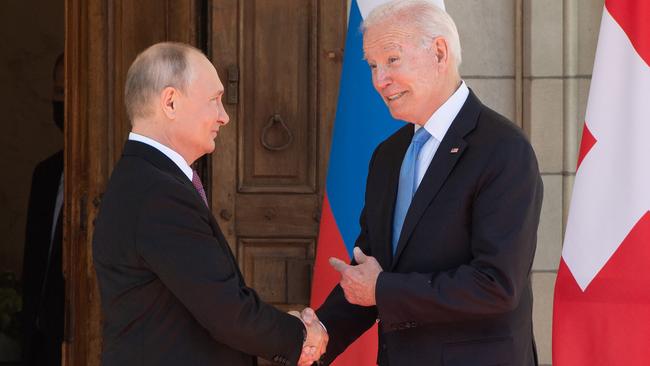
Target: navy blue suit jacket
[{"x": 457, "y": 291}]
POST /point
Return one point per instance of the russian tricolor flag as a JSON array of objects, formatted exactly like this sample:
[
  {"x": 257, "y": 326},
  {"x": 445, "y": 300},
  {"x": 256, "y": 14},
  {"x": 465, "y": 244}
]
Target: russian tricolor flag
[{"x": 362, "y": 122}]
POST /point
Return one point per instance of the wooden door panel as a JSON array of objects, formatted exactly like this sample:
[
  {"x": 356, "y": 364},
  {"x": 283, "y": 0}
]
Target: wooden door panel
[
  {"x": 224, "y": 54},
  {"x": 288, "y": 55},
  {"x": 277, "y": 216},
  {"x": 279, "y": 269},
  {"x": 277, "y": 120}
]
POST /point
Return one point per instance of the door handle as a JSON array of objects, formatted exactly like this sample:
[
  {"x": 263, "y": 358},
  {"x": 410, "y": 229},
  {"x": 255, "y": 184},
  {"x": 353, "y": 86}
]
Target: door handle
[{"x": 276, "y": 119}]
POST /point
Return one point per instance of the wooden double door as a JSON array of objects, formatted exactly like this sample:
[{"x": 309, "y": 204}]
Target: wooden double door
[{"x": 280, "y": 63}]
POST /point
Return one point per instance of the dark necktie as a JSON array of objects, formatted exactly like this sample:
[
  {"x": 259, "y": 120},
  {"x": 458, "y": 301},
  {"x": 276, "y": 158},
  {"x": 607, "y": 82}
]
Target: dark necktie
[{"x": 196, "y": 182}]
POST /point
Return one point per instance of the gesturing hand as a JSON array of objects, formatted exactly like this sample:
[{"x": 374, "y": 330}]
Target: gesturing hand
[
  {"x": 358, "y": 282},
  {"x": 317, "y": 338}
]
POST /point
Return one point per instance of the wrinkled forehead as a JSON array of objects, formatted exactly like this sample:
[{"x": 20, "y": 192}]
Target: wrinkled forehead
[
  {"x": 204, "y": 74},
  {"x": 388, "y": 36}
]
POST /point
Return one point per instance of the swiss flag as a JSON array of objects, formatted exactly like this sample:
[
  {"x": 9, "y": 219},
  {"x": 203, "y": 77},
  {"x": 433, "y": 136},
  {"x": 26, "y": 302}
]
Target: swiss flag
[{"x": 602, "y": 294}]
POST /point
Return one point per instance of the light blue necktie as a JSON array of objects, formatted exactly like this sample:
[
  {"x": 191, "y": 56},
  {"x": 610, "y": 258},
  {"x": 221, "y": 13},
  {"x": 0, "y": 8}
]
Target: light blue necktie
[{"x": 407, "y": 182}]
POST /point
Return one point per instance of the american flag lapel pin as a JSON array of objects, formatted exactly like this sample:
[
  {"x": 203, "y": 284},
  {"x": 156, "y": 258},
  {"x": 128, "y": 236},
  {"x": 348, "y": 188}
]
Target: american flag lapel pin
[{"x": 454, "y": 150}]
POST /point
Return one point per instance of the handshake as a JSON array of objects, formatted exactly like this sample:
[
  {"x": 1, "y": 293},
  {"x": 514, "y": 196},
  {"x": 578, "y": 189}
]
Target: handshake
[
  {"x": 358, "y": 283},
  {"x": 316, "y": 341}
]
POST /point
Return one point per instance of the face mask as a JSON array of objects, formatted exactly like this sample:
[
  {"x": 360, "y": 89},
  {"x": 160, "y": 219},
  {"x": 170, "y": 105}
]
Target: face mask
[{"x": 57, "y": 114}]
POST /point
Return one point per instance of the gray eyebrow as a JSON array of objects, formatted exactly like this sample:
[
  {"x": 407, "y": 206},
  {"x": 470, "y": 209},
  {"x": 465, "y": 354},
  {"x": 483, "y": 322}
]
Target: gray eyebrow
[{"x": 387, "y": 48}]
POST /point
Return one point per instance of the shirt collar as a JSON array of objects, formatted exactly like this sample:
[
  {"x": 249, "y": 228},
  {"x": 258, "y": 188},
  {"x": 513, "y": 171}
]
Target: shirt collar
[
  {"x": 171, "y": 154},
  {"x": 441, "y": 119}
]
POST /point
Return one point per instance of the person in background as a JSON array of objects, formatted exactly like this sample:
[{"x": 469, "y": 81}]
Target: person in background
[{"x": 42, "y": 278}]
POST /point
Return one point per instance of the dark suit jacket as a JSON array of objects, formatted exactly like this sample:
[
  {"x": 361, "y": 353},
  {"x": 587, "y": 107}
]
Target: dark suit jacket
[
  {"x": 457, "y": 291},
  {"x": 43, "y": 285},
  {"x": 171, "y": 291}
]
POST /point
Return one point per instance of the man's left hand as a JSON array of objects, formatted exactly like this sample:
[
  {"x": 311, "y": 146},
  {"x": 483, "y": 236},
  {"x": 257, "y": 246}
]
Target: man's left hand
[{"x": 358, "y": 282}]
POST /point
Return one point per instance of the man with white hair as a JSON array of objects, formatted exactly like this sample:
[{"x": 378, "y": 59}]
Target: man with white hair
[
  {"x": 452, "y": 205},
  {"x": 171, "y": 291}
]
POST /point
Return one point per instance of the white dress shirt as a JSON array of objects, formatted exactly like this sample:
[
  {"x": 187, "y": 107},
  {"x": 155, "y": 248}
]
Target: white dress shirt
[
  {"x": 171, "y": 154},
  {"x": 437, "y": 126},
  {"x": 58, "y": 205}
]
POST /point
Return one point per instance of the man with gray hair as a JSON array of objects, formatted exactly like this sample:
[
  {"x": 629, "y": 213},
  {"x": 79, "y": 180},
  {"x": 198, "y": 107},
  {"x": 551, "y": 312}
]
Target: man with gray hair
[
  {"x": 452, "y": 205},
  {"x": 171, "y": 291}
]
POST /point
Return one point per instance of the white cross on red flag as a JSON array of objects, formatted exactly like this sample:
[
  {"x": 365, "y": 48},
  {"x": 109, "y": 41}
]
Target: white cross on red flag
[{"x": 601, "y": 312}]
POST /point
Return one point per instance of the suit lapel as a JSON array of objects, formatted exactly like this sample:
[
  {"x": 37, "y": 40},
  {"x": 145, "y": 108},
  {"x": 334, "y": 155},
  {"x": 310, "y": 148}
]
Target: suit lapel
[
  {"x": 162, "y": 162},
  {"x": 156, "y": 158},
  {"x": 390, "y": 193},
  {"x": 159, "y": 160},
  {"x": 451, "y": 148}
]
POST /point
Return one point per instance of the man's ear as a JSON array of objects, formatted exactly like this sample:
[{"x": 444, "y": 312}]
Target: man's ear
[
  {"x": 169, "y": 102},
  {"x": 440, "y": 49}
]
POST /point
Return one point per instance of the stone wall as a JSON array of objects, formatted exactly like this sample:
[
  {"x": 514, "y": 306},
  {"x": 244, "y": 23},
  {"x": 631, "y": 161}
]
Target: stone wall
[{"x": 531, "y": 60}]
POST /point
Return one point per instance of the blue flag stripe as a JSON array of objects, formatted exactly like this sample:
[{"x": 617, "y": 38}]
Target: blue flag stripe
[{"x": 362, "y": 122}]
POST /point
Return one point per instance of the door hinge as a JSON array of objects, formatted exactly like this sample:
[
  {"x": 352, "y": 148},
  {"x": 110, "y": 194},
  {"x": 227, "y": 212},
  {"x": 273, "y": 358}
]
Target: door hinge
[{"x": 232, "y": 92}]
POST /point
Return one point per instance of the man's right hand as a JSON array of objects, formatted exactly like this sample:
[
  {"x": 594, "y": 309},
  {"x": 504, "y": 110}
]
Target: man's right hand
[{"x": 316, "y": 342}]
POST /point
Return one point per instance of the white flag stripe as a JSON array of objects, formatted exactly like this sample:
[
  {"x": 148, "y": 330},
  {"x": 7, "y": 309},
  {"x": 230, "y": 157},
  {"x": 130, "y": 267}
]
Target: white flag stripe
[
  {"x": 612, "y": 187},
  {"x": 366, "y": 6}
]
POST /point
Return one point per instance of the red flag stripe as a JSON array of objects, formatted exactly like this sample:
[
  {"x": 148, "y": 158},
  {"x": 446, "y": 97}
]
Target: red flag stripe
[
  {"x": 588, "y": 141},
  {"x": 608, "y": 323},
  {"x": 634, "y": 18},
  {"x": 330, "y": 244}
]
